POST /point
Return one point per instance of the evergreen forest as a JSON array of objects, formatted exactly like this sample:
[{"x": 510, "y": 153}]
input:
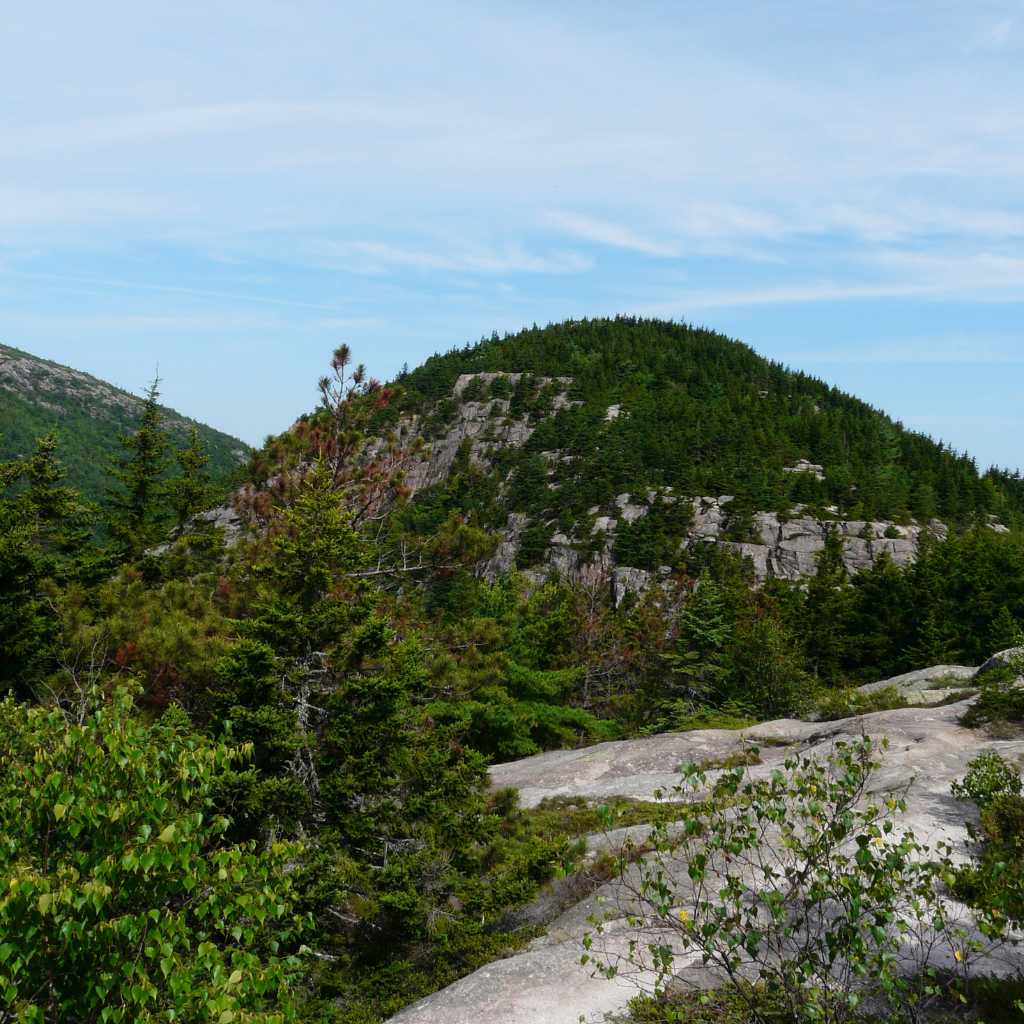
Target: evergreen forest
[
  {"x": 245, "y": 775},
  {"x": 36, "y": 395}
]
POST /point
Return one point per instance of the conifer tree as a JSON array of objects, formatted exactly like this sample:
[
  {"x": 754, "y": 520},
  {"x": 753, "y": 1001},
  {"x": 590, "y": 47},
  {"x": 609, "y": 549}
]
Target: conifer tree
[
  {"x": 60, "y": 520},
  {"x": 1005, "y": 631},
  {"x": 136, "y": 515},
  {"x": 700, "y": 659},
  {"x": 191, "y": 493},
  {"x": 22, "y": 626},
  {"x": 827, "y": 609}
]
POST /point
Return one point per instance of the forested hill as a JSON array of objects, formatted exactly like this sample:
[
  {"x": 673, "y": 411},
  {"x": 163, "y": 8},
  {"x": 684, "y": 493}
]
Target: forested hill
[
  {"x": 704, "y": 414},
  {"x": 35, "y": 394}
]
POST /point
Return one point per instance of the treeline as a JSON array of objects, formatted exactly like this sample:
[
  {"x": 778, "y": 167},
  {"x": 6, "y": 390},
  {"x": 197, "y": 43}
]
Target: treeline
[{"x": 312, "y": 708}]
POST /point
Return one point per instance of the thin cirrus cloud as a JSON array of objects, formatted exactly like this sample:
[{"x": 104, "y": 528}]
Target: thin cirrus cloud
[
  {"x": 603, "y": 233},
  {"x": 211, "y": 183},
  {"x": 376, "y": 258}
]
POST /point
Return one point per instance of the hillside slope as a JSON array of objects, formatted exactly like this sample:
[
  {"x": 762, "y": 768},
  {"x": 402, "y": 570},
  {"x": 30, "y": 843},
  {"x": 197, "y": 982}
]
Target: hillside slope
[
  {"x": 36, "y": 393},
  {"x": 705, "y": 414},
  {"x": 644, "y": 433}
]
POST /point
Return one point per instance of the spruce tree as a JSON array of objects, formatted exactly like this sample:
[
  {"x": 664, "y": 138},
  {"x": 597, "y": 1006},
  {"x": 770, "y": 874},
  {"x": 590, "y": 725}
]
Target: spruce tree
[
  {"x": 60, "y": 519},
  {"x": 827, "y": 610},
  {"x": 700, "y": 658},
  {"x": 191, "y": 493},
  {"x": 1005, "y": 631},
  {"x": 43, "y": 527},
  {"x": 22, "y": 621},
  {"x": 136, "y": 514}
]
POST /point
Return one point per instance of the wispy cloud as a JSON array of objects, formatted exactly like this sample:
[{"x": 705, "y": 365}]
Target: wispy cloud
[
  {"x": 376, "y": 257},
  {"x": 605, "y": 233}
]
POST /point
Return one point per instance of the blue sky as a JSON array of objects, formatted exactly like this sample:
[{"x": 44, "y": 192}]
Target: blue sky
[{"x": 229, "y": 190}]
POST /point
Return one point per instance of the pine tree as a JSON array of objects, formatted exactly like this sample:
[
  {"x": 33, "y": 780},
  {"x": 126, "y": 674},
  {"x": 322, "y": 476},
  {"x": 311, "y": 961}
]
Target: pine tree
[
  {"x": 60, "y": 519},
  {"x": 827, "y": 610},
  {"x": 38, "y": 526},
  {"x": 1005, "y": 631},
  {"x": 136, "y": 515},
  {"x": 700, "y": 658},
  {"x": 22, "y": 623},
  {"x": 191, "y": 493}
]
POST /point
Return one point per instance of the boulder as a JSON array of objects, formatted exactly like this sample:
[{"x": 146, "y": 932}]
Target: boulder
[
  {"x": 926, "y": 685},
  {"x": 1002, "y": 659}
]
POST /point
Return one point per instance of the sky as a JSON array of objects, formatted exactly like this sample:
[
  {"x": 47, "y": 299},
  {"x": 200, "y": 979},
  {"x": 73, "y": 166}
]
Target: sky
[{"x": 224, "y": 192}]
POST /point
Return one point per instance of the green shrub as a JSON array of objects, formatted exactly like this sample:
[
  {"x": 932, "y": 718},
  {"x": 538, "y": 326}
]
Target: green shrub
[
  {"x": 988, "y": 778},
  {"x": 848, "y": 702},
  {"x": 994, "y": 880},
  {"x": 681, "y": 716},
  {"x": 1001, "y": 698},
  {"x": 799, "y": 889},
  {"x": 120, "y": 900}
]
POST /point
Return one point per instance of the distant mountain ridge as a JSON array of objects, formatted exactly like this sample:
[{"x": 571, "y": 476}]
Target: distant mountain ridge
[{"x": 89, "y": 413}]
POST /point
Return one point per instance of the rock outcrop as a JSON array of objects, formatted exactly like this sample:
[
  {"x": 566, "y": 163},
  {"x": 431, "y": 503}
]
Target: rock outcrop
[
  {"x": 546, "y": 984},
  {"x": 778, "y": 546},
  {"x": 785, "y": 546},
  {"x": 927, "y": 685},
  {"x": 781, "y": 546},
  {"x": 487, "y": 425},
  {"x": 1002, "y": 659}
]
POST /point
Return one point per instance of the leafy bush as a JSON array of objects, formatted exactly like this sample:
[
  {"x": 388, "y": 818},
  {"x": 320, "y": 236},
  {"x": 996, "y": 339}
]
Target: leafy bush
[
  {"x": 799, "y": 889},
  {"x": 120, "y": 900},
  {"x": 989, "y": 778},
  {"x": 681, "y": 716},
  {"x": 995, "y": 878},
  {"x": 768, "y": 670}
]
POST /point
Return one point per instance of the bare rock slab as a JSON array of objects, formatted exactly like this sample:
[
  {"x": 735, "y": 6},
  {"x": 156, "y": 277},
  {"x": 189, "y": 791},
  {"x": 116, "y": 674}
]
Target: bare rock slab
[{"x": 546, "y": 984}]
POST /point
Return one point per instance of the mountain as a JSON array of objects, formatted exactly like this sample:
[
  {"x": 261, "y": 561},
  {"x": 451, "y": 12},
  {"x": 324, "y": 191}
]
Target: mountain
[
  {"x": 35, "y": 394},
  {"x": 619, "y": 442}
]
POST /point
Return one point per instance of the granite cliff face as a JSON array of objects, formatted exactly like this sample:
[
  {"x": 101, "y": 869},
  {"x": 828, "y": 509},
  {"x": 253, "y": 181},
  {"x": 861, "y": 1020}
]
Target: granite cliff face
[
  {"x": 487, "y": 425},
  {"x": 783, "y": 548},
  {"x": 778, "y": 545}
]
